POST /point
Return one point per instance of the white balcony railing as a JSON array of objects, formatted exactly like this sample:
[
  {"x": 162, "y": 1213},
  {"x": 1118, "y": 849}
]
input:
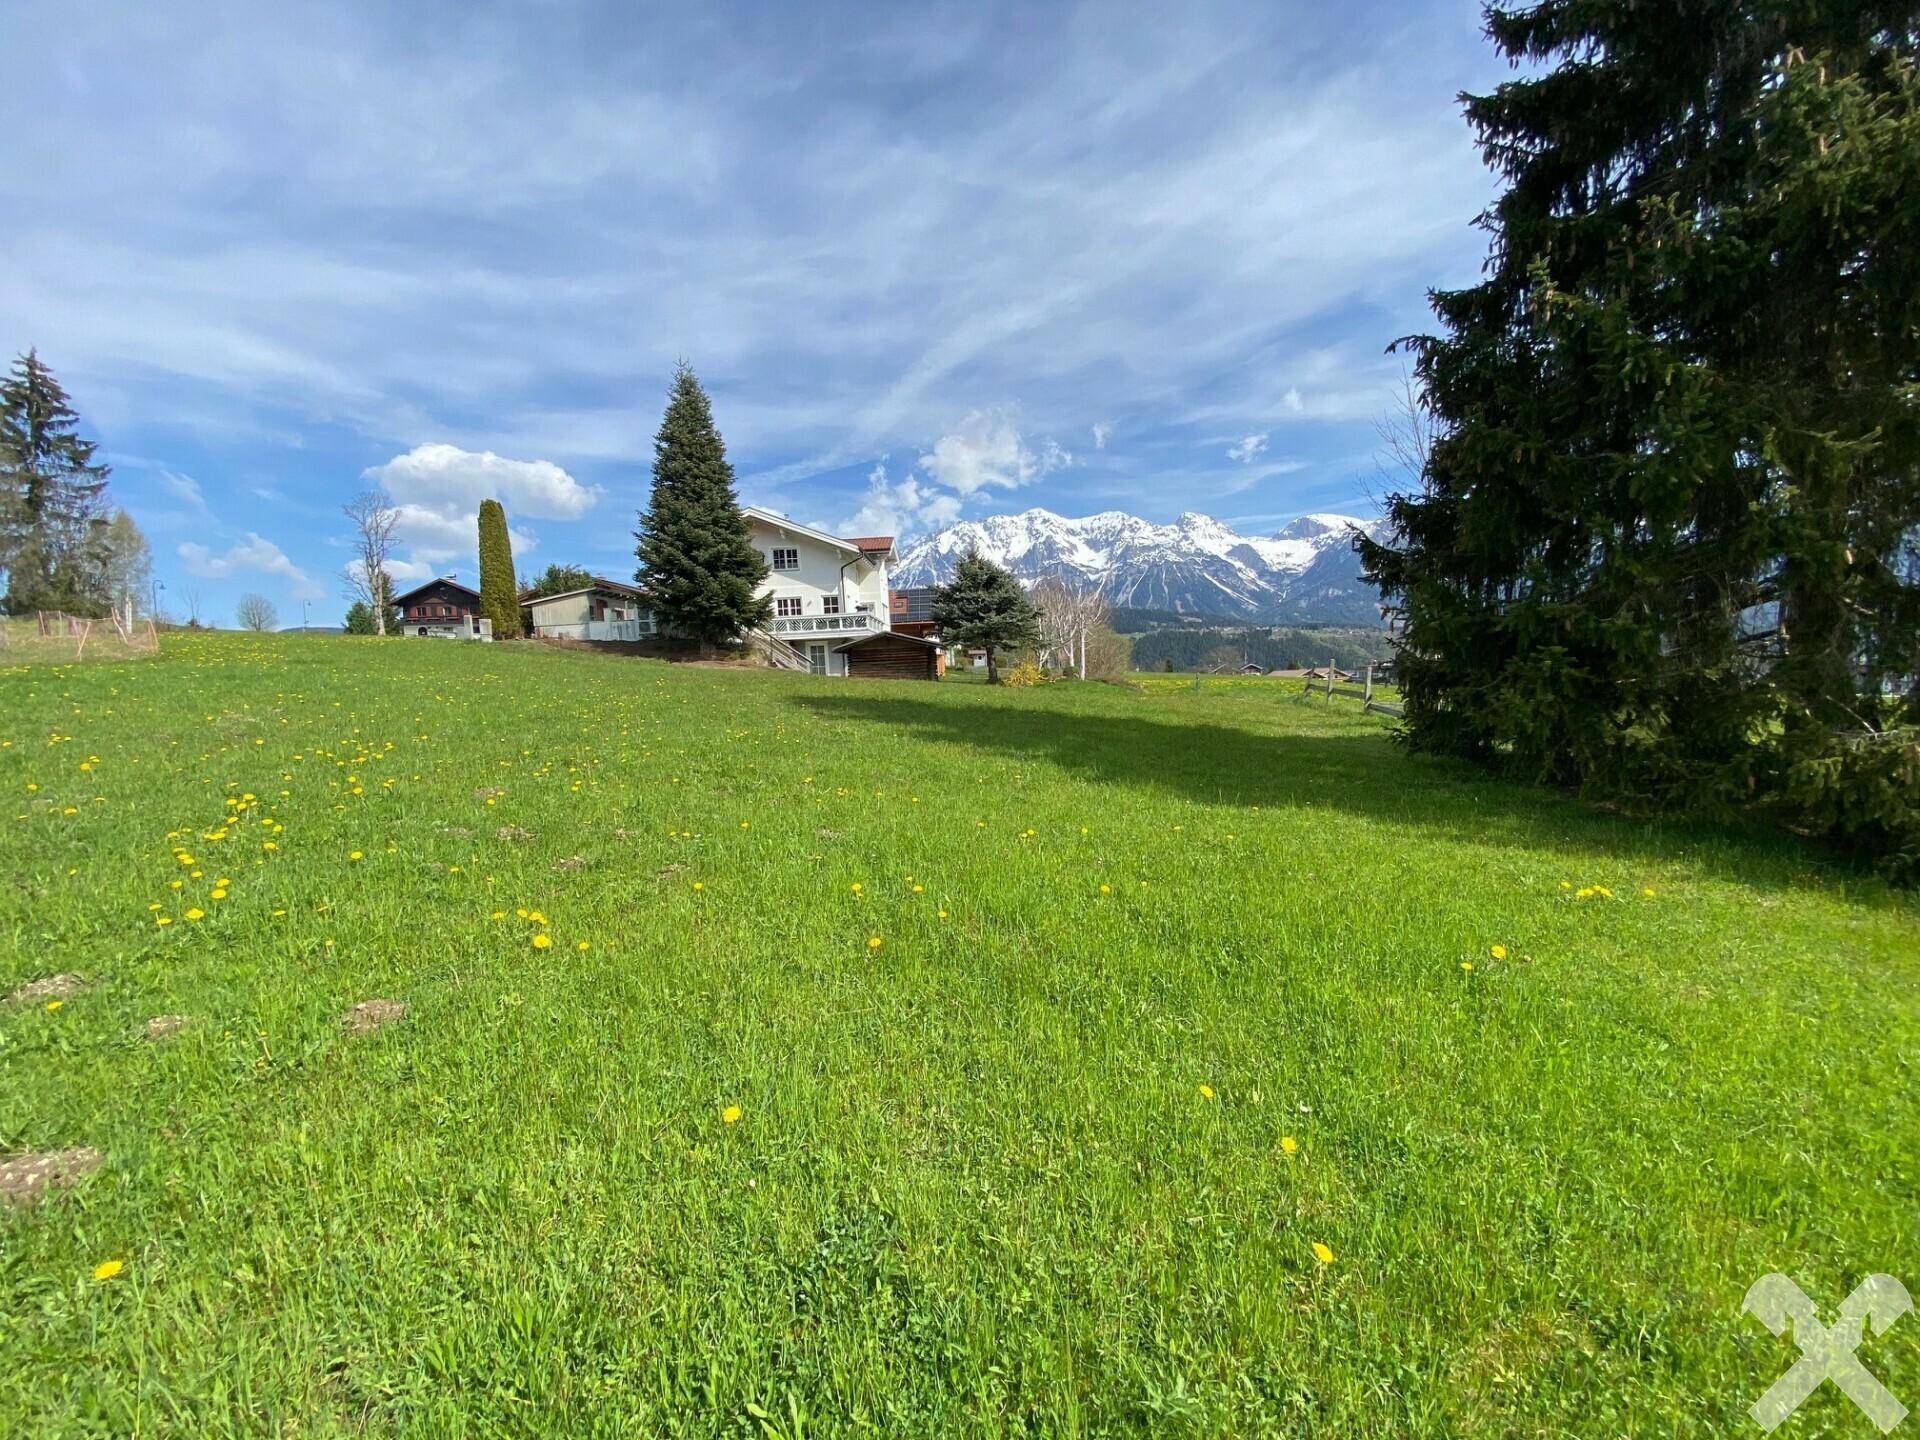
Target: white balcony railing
[{"x": 858, "y": 623}]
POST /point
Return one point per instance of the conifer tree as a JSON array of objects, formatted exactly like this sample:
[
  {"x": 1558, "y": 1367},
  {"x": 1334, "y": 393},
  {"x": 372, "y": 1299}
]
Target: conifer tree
[
  {"x": 985, "y": 606},
  {"x": 499, "y": 600},
  {"x": 1657, "y": 548},
  {"x": 698, "y": 569},
  {"x": 50, "y": 488}
]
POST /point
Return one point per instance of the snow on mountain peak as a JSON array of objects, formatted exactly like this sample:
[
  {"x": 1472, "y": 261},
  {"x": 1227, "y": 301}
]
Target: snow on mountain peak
[{"x": 1195, "y": 565}]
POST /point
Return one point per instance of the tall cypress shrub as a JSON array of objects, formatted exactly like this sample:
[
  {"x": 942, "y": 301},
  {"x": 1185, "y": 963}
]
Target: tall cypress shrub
[
  {"x": 499, "y": 600},
  {"x": 1658, "y": 550},
  {"x": 698, "y": 569}
]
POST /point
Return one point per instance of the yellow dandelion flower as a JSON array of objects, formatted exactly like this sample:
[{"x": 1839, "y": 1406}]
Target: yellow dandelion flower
[
  {"x": 584, "y": 945},
  {"x": 1323, "y": 1252},
  {"x": 498, "y": 915},
  {"x": 107, "y": 1269},
  {"x": 1106, "y": 890},
  {"x": 1498, "y": 952},
  {"x": 730, "y": 1115},
  {"x": 699, "y": 884},
  {"x": 1206, "y": 1092},
  {"x": 161, "y": 920},
  {"x": 541, "y": 942},
  {"x": 1289, "y": 1145},
  {"x": 196, "y": 913},
  {"x": 521, "y": 911},
  {"x": 942, "y": 914},
  {"x": 919, "y": 889},
  {"x": 216, "y": 894},
  {"x": 873, "y": 942},
  {"x": 1466, "y": 964},
  {"x": 855, "y": 887},
  {"x": 1648, "y": 893},
  {"x": 353, "y": 855},
  {"x": 55, "y": 1004}
]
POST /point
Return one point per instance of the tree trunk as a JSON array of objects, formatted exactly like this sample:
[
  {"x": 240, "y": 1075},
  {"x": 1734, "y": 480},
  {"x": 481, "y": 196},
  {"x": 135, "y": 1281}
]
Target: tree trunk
[{"x": 993, "y": 671}]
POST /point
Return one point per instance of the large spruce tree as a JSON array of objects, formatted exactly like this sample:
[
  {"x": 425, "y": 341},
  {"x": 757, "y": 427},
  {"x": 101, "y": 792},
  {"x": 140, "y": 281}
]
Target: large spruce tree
[
  {"x": 698, "y": 565},
  {"x": 1658, "y": 547},
  {"x": 983, "y": 606},
  {"x": 499, "y": 595},
  {"x": 51, "y": 520}
]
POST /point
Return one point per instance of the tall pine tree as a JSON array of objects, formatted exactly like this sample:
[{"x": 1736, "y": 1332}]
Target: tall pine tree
[
  {"x": 983, "y": 606},
  {"x": 1658, "y": 546},
  {"x": 698, "y": 568},
  {"x": 499, "y": 595},
  {"x": 51, "y": 521}
]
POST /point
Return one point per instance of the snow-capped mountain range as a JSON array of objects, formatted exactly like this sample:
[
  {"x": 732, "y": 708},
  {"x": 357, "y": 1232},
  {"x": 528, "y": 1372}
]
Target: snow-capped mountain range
[{"x": 1197, "y": 566}]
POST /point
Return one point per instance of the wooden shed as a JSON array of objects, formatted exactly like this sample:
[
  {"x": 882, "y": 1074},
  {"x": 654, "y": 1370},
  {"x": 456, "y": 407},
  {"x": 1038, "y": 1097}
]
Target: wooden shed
[{"x": 890, "y": 655}]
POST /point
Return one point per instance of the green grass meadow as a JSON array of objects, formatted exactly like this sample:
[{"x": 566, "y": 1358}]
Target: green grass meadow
[{"x": 1061, "y": 1024}]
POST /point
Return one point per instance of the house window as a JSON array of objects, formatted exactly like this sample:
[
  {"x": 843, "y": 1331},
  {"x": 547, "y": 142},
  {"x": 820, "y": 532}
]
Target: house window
[
  {"x": 830, "y": 605},
  {"x": 787, "y": 605},
  {"x": 786, "y": 559}
]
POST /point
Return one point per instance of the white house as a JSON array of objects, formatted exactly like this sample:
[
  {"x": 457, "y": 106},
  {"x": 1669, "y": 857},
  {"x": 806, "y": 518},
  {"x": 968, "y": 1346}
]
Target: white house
[
  {"x": 603, "y": 610},
  {"x": 828, "y": 590}
]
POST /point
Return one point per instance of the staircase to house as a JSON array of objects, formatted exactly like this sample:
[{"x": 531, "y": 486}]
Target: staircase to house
[{"x": 778, "y": 652}]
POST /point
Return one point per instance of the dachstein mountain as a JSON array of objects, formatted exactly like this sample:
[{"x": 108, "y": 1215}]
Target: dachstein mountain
[{"x": 1197, "y": 566}]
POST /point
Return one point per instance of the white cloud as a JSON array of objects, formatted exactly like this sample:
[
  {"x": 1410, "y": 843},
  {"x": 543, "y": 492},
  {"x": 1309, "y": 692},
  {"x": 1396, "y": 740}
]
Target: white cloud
[
  {"x": 986, "y": 451},
  {"x": 448, "y": 479},
  {"x": 438, "y": 489},
  {"x": 1102, "y": 432},
  {"x": 1293, "y": 401},
  {"x": 1248, "y": 450},
  {"x": 255, "y": 554},
  {"x": 184, "y": 487},
  {"x": 900, "y": 507}
]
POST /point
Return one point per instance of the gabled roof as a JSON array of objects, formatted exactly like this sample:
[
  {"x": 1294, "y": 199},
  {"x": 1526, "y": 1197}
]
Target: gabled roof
[
  {"x": 889, "y": 635},
  {"x": 446, "y": 580},
  {"x": 600, "y": 582},
  {"x": 865, "y": 545}
]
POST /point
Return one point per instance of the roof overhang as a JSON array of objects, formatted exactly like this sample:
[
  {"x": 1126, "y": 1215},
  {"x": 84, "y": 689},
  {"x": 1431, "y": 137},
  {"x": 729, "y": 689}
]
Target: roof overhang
[
  {"x": 890, "y": 635},
  {"x": 428, "y": 585},
  {"x": 794, "y": 527},
  {"x": 609, "y": 587}
]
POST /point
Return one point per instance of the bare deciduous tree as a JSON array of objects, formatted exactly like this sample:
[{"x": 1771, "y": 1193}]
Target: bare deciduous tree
[
  {"x": 256, "y": 612},
  {"x": 1406, "y": 434},
  {"x": 190, "y": 597},
  {"x": 1069, "y": 616},
  {"x": 374, "y": 516}
]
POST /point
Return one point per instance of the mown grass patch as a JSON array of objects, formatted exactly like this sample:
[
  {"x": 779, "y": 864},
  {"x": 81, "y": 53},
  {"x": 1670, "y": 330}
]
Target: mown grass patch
[{"x": 899, "y": 1059}]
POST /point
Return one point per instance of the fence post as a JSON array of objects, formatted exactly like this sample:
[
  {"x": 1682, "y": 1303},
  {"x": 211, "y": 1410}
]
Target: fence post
[
  {"x": 1369, "y": 694},
  {"x": 1329, "y": 684}
]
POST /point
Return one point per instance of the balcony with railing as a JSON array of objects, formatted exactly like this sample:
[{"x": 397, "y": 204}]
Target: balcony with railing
[
  {"x": 860, "y": 622},
  {"x": 599, "y": 630}
]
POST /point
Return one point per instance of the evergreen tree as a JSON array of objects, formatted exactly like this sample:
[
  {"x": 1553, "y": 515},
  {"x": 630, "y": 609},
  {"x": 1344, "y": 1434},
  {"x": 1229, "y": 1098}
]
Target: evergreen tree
[
  {"x": 499, "y": 600},
  {"x": 983, "y": 606},
  {"x": 559, "y": 580},
  {"x": 698, "y": 567},
  {"x": 1657, "y": 546},
  {"x": 51, "y": 548},
  {"x": 360, "y": 619}
]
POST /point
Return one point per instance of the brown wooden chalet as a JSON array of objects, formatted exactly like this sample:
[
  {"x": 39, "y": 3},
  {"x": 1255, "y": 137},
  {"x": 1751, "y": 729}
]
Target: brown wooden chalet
[{"x": 442, "y": 606}]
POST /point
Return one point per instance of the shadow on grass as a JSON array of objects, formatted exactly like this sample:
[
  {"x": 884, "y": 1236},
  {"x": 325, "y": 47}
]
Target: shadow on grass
[{"x": 1362, "y": 773}]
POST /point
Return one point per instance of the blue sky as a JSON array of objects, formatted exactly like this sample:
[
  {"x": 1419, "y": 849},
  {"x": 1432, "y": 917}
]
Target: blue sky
[{"x": 930, "y": 260}]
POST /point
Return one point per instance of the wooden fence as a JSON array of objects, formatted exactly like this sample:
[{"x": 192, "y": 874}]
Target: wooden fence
[{"x": 1331, "y": 688}]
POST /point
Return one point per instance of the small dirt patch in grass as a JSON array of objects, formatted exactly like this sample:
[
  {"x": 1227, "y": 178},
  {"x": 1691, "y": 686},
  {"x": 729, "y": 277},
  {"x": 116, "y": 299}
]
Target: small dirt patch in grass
[
  {"x": 50, "y": 987},
  {"x": 666, "y": 872},
  {"x": 161, "y": 1026},
  {"x": 488, "y": 792},
  {"x": 572, "y": 862},
  {"x": 23, "y": 1178},
  {"x": 370, "y": 1015},
  {"x": 513, "y": 832}
]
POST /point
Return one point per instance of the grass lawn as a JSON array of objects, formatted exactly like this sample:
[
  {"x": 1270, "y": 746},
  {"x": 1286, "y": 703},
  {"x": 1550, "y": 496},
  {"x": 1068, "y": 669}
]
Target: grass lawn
[{"x": 905, "y": 1060}]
